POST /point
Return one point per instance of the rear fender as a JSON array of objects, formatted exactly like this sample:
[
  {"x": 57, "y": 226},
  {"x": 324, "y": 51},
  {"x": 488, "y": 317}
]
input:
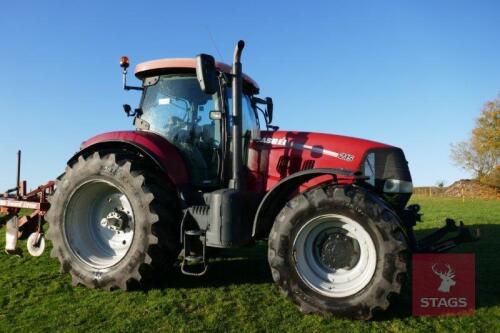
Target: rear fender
[{"x": 168, "y": 161}]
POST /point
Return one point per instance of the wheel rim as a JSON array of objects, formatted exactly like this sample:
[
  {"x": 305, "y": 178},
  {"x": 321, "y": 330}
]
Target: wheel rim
[
  {"x": 334, "y": 255},
  {"x": 99, "y": 224}
]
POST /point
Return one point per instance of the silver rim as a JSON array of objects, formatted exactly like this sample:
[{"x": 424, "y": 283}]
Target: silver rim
[
  {"x": 99, "y": 224},
  {"x": 334, "y": 255}
]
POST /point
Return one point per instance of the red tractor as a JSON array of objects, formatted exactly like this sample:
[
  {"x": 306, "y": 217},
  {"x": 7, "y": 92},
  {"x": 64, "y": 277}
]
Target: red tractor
[{"x": 205, "y": 168}]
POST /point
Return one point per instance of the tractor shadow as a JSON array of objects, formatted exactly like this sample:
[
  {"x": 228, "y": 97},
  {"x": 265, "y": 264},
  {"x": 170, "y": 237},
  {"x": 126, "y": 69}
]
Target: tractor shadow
[
  {"x": 250, "y": 266},
  {"x": 226, "y": 267}
]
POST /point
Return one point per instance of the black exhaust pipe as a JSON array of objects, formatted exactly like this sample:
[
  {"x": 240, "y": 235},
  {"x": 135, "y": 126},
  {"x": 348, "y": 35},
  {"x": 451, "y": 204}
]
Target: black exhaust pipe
[{"x": 237, "y": 84}]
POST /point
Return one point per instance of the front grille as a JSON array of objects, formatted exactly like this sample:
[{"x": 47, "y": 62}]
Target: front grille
[{"x": 387, "y": 163}]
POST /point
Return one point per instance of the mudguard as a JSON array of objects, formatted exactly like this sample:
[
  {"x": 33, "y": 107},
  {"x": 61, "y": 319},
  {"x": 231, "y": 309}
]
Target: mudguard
[
  {"x": 163, "y": 154},
  {"x": 276, "y": 198}
]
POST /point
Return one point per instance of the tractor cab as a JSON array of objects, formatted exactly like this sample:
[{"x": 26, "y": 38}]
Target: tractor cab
[{"x": 174, "y": 106}]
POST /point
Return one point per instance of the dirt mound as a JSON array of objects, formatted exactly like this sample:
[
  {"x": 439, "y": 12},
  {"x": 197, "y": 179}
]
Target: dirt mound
[
  {"x": 467, "y": 188},
  {"x": 472, "y": 189}
]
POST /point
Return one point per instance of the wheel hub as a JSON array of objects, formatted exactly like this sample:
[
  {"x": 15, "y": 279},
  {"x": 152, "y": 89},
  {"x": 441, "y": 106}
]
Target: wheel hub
[
  {"x": 338, "y": 251},
  {"x": 117, "y": 220}
]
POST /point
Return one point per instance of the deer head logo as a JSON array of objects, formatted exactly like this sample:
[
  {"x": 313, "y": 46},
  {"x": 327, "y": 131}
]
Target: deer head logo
[{"x": 446, "y": 278}]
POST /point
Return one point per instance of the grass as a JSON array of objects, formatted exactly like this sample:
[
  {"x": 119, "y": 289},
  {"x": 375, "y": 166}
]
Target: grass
[{"x": 237, "y": 294}]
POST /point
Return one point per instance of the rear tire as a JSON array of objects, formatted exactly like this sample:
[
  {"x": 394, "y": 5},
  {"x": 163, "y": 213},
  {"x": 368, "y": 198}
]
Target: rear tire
[
  {"x": 338, "y": 250},
  {"x": 112, "y": 221}
]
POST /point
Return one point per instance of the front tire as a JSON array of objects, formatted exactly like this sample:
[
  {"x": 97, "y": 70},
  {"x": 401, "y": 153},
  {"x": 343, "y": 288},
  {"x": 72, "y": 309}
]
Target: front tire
[
  {"x": 112, "y": 221},
  {"x": 340, "y": 250}
]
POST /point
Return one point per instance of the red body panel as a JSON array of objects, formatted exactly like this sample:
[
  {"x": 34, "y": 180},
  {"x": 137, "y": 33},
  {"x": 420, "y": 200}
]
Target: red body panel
[
  {"x": 165, "y": 152},
  {"x": 282, "y": 153},
  {"x": 272, "y": 158}
]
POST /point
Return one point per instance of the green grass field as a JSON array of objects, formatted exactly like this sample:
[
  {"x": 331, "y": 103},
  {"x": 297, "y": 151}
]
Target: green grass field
[{"x": 237, "y": 294}]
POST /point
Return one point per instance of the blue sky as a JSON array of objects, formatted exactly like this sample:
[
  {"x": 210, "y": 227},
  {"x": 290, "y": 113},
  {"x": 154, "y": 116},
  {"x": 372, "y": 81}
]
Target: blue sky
[{"x": 414, "y": 74}]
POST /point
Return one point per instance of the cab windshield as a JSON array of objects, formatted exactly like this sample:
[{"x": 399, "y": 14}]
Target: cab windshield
[{"x": 176, "y": 108}]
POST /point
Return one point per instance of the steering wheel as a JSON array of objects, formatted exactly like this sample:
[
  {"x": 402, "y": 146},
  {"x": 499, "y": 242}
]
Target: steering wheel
[
  {"x": 174, "y": 121},
  {"x": 176, "y": 128}
]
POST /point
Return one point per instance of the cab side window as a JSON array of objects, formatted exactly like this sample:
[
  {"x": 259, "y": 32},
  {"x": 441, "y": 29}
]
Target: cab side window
[{"x": 249, "y": 121}]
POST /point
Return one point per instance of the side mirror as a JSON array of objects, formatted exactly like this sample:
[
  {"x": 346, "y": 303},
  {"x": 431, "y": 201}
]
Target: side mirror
[
  {"x": 269, "y": 104},
  {"x": 206, "y": 73},
  {"x": 127, "y": 109}
]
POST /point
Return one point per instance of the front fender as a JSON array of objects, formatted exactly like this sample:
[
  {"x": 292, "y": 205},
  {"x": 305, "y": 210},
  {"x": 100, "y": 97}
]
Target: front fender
[{"x": 277, "y": 197}]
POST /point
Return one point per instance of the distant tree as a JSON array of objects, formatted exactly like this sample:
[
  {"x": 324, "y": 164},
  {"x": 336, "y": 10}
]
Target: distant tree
[
  {"x": 481, "y": 153},
  {"x": 440, "y": 183}
]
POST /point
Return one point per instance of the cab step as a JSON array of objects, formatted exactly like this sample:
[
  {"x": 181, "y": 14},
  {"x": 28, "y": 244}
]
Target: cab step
[{"x": 194, "y": 262}]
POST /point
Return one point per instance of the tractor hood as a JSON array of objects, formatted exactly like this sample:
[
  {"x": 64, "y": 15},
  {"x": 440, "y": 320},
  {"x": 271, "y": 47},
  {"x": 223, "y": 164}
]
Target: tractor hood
[
  {"x": 326, "y": 150},
  {"x": 288, "y": 152}
]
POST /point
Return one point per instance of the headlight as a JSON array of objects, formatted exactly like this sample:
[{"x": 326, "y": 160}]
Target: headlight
[{"x": 398, "y": 186}]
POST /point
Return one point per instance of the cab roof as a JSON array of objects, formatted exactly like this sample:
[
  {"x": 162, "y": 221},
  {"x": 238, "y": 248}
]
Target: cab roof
[{"x": 177, "y": 65}]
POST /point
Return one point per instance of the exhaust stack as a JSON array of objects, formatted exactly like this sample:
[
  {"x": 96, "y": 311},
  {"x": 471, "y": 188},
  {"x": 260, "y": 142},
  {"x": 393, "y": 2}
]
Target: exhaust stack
[{"x": 237, "y": 86}]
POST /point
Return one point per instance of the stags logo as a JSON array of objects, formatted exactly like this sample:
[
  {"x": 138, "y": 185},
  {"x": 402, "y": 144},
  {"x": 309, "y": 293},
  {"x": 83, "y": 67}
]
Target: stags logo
[
  {"x": 443, "y": 284},
  {"x": 446, "y": 279}
]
